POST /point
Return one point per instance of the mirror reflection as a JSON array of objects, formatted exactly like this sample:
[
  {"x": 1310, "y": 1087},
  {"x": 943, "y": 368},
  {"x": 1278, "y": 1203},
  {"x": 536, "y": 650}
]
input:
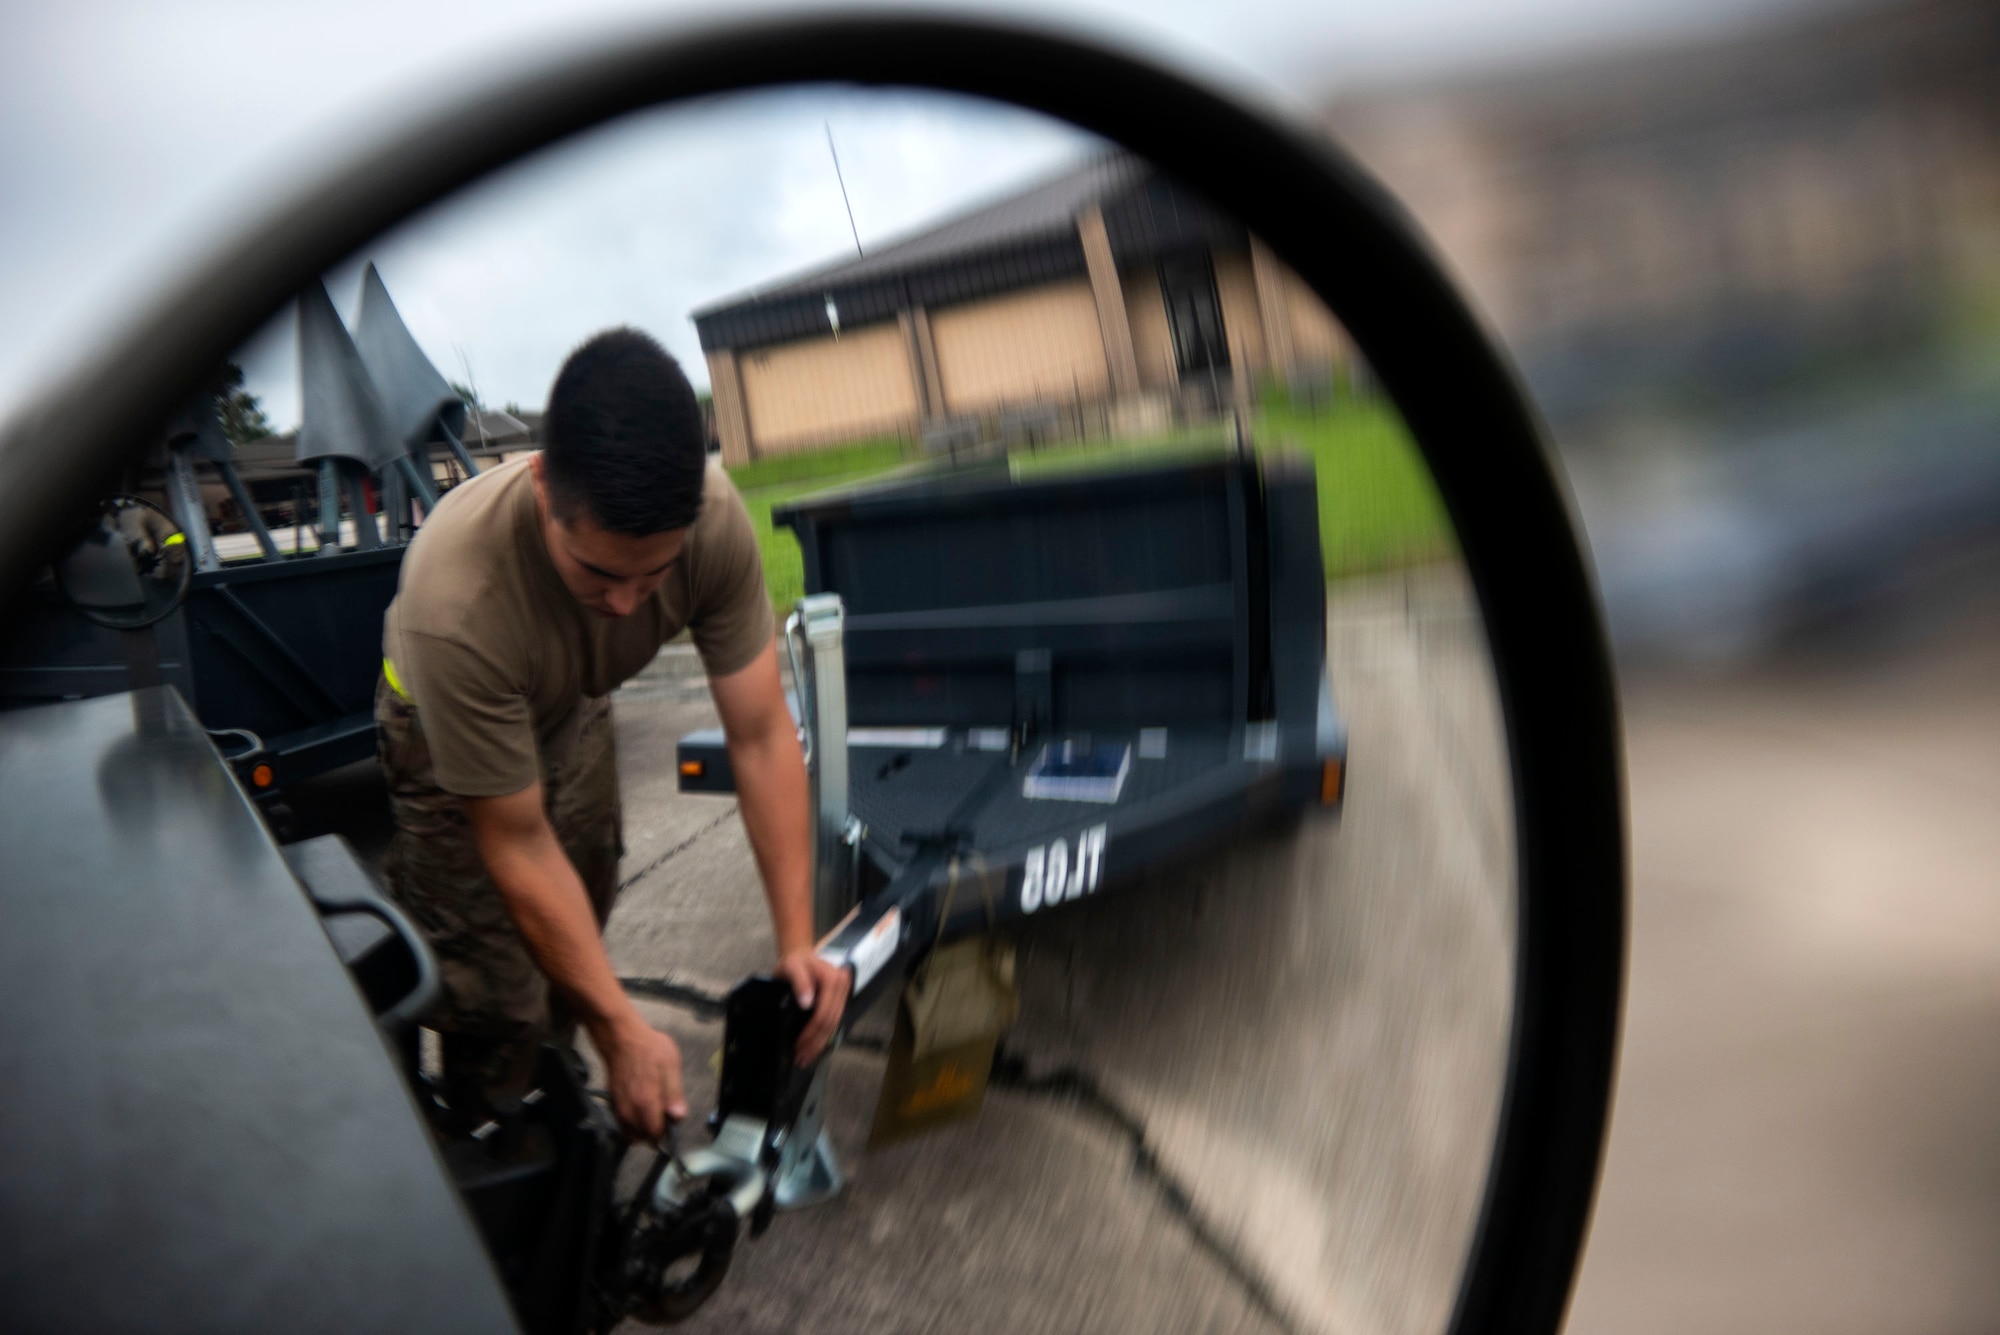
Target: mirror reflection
[
  {"x": 129, "y": 569},
  {"x": 1157, "y": 800}
]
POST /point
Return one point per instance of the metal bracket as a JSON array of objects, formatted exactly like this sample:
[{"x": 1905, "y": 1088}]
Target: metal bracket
[
  {"x": 807, "y": 1172},
  {"x": 417, "y": 480},
  {"x": 329, "y": 507},
  {"x": 813, "y": 635},
  {"x": 184, "y": 499},
  {"x": 456, "y": 444},
  {"x": 246, "y": 505},
  {"x": 732, "y": 1162}
]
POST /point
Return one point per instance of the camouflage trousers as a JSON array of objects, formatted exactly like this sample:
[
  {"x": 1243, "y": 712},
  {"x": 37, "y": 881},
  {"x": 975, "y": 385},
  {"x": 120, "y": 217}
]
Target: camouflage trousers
[{"x": 496, "y": 1008}]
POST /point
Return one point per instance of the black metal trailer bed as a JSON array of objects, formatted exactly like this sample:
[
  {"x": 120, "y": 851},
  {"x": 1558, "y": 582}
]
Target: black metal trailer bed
[{"x": 1172, "y": 616}]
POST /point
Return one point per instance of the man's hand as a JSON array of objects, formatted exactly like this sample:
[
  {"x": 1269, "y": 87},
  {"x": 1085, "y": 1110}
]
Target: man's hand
[
  {"x": 554, "y": 916},
  {"x": 644, "y": 1073},
  {"x": 821, "y": 989}
]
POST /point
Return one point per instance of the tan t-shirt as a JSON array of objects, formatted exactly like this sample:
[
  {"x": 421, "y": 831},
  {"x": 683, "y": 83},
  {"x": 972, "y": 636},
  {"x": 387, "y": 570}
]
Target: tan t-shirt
[{"x": 497, "y": 654}]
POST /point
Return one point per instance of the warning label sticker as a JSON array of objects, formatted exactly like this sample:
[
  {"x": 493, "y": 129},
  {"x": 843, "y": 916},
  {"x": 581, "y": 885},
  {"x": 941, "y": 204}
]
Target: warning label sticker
[{"x": 867, "y": 956}]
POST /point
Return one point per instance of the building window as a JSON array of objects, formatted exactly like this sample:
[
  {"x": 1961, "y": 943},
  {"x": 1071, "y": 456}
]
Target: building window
[{"x": 1194, "y": 313}]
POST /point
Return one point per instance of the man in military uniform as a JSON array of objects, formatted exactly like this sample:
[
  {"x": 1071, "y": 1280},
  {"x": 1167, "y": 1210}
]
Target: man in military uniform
[{"x": 525, "y": 599}]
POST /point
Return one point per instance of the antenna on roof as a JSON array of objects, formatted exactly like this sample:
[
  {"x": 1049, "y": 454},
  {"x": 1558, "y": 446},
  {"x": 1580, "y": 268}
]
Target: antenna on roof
[{"x": 843, "y": 188}]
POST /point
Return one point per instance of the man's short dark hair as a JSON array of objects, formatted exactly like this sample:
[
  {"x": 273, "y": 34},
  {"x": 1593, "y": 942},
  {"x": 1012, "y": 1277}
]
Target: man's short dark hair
[{"x": 624, "y": 437}]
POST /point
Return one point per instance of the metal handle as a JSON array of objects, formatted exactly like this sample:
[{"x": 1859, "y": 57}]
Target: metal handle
[
  {"x": 801, "y": 689},
  {"x": 252, "y": 743},
  {"x": 424, "y": 991},
  {"x": 820, "y": 676}
]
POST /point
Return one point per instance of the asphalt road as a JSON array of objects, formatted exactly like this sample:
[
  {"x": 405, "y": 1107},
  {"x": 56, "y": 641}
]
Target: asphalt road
[{"x": 1298, "y": 1043}]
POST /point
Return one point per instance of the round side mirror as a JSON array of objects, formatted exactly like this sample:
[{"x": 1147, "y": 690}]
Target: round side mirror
[
  {"x": 129, "y": 569},
  {"x": 1553, "y": 1048}
]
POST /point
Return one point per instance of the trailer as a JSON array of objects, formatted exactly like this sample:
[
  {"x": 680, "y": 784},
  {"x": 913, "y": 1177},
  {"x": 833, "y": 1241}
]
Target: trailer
[
  {"x": 278, "y": 653},
  {"x": 1013, "y": 696},
  {"x": 278, "y": 658},
  {"x": 1066, "y": 681}
]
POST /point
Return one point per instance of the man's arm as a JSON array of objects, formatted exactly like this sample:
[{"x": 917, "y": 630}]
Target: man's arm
[
  {"x": 771, "y": 793},
  {"x": 546, "y": 898}
]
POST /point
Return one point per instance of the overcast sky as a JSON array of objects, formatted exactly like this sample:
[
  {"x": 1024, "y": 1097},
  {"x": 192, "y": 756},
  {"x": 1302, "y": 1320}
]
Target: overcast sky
[
  {"x": 650, "y": 219},
  {"x": 130, "y": 129}
]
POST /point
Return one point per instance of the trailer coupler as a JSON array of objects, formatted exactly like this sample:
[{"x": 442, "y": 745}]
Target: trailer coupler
[
  {"x": 675, "y": 1237},
  {"x": 679, "y": 1230}
]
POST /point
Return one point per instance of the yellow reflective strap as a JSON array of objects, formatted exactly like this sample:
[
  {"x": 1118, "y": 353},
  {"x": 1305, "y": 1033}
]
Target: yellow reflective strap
[
  {"x": 389, "y": 674},
  {"x": 175, "y": 540}
]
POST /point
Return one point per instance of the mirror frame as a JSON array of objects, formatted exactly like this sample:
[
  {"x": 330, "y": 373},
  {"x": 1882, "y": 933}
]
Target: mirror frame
[{"x": 1317, "y": 211}]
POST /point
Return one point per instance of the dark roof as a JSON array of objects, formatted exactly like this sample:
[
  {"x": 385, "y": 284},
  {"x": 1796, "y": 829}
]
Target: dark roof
[
  {"x": 1024, "y": 239},
  {"x": 489, "y": 429},
  {"x": 1047, "y": 209}
]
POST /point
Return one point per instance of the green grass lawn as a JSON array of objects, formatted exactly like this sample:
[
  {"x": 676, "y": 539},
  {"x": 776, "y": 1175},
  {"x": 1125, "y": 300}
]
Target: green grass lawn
[
  {"x": 859, "y": 459},
  {"x": 1377, "y": 507}
]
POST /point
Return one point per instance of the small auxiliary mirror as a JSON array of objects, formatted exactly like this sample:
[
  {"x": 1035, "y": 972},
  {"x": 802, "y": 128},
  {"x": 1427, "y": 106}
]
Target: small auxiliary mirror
[{"x": 129, "y": 569}]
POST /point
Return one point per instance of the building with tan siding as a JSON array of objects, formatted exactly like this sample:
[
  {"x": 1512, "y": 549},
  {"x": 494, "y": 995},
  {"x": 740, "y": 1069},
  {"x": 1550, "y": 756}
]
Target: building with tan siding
[
  {"x": 1108, "y": 293},
  {"x": 1709, "y": 220}
]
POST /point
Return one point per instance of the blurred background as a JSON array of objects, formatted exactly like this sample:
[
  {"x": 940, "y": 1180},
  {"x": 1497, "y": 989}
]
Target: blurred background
[
  {"x": 1747, "y": 259},
  {"x": 1750, "y": 278}
]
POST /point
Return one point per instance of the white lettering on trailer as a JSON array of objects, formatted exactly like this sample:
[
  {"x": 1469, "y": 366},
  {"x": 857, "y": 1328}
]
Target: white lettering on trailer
[
  {"x": 1048, "y": 876},
  {"x": 1089, "y": 862},
  {"x": 1031, "y": 879}
]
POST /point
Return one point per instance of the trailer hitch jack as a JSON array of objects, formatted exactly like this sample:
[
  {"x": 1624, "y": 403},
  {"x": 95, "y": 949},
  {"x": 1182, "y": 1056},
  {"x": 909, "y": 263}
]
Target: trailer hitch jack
[{"x": 678, "y": 1232}]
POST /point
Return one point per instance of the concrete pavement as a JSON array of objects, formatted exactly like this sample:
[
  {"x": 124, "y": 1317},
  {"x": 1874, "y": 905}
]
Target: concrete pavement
[
  {"x": 1807, "y": 1132},
  {"x": 1306, "y": 1031}
]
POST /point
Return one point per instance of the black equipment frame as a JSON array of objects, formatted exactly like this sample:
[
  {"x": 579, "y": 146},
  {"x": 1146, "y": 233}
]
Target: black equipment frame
[
  {"x": 285, "y": 651},
  {"x": 201, "y": 1098}
]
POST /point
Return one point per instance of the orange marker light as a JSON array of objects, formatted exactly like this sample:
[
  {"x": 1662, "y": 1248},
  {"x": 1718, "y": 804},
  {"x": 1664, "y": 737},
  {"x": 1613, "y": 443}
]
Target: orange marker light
[
  {"x": 691, "y": 769},
  {"x": 262, "y": 776},
  {"x": 1331, "y": 774}
]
